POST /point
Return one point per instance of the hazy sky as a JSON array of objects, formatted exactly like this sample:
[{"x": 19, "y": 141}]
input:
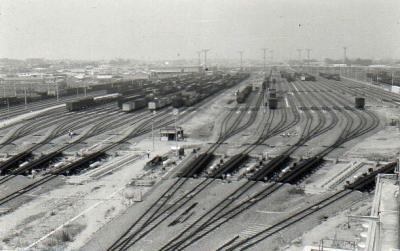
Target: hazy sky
[{"x": 172, "y": 29}]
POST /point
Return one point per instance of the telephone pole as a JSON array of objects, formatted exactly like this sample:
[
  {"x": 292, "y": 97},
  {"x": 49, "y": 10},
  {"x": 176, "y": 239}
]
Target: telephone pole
[{"x": 344, "y": 54}]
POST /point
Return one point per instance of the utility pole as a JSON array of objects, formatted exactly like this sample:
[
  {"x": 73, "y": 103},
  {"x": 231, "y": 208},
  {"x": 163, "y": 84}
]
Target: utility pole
[
  {"x": 392, "y": 77},
  {"x": 345, "y": 58},
  {"x": 241, "y": 60},
  {"x": 308, "y": 58},
  {"x": 57, "y": 90},
  {"x": 153, "y": 113},
  {"x": 264, "y": 57},
  {"x": 271, "y": 52},
  {"x": 176, "y": 113},
  {"x": 26, "y": 101},
  {"x": 199, "y": 55},
  {"x": 205, "y": 57},
  {"x": 4, "y": 89},
  {"x": 299, "y": 55},
  {"x": 85, "y": 86}
]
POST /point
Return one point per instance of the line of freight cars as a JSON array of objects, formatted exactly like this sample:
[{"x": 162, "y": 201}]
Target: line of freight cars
[
  {"x": 88, "y": 102},
  {"x": 333, "y": 76},
  {"x": 177, "y": 92},
  {"x": 290, "y": 77},
  {"x": 188, "y": 94},
  {"x": 36, "y": 96}
]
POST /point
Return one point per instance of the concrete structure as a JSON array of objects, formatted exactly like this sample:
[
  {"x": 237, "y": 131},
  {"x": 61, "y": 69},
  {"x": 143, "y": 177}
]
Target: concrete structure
[{"x": 383, "y": 233}]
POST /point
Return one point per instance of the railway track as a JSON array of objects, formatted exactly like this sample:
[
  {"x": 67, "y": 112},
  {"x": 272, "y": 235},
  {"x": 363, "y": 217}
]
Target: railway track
[
  {"x": 248, "y": 242},
  {"x": 218, "y": 213},
  {"x": 220, "y": 217},
  {"x": 279, "y": 125},
  {"x": 100, "y": 127},
  {"x": 52, "y": 120},
  {"x": 16, "y": 110},
  {"x": 141, "y": 129},
  {"x": 143, "y": 126},
  {"x": 155, "y": 212}
]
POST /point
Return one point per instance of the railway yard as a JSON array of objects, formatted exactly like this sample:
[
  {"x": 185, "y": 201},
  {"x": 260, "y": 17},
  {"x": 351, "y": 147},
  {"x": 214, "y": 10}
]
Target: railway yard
[{"x": 265, "y": 160}]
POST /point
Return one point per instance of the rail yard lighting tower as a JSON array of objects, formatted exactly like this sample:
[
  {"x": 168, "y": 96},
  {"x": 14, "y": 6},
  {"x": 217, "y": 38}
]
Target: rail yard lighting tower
[
  {"x": 264, "y": 58},
  {"x": 205, "y": 57},
  {"x": 199, "y": 58},
  {"x": 299, "y": 55},
  {"x": 308, "y": 59},
  {"x": 241, "y": 60},
  {"x": 392, "y": 77},
  {"x": 344, "y": 57},
  {"x": 271, "y": 52}
]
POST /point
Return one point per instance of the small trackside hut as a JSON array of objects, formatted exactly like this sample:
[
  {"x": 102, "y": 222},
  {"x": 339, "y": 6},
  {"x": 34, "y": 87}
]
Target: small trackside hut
[{"x": 169, "y": 133}]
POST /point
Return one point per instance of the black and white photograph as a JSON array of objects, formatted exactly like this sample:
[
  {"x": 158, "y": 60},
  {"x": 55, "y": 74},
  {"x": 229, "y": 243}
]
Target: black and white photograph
[{"x": 199, "y": 125}]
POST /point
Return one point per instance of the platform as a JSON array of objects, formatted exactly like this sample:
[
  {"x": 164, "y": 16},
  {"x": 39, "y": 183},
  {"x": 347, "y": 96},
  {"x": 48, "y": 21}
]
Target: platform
[{"x": 383, "y": 234}]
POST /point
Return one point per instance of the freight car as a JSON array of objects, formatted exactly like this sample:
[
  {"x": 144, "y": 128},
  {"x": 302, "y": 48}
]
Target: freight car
[
  {"x": 288, "y": 76},
  {"x": 307, "y": 77},
  {"x": 333, "y": 76},
  {"x": 177, "y": 102},
  {"x": 359, "y": 102},
  {"x": 106, "y": 98},
  {"x": 273, "y": 103},
  {"x": 242, "y": 96},
  {"x": 80, "y": 104},
  {"x": 265, "y": 84},
  {"x": 134, "y": 105},
  {"x": 125, "y": 99},
  {"x": 272, "y": 93},
  {"x": 159, "y": 103}
]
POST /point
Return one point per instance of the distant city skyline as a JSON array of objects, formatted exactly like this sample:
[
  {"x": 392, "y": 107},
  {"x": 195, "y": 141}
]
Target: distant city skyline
[{"x": 177, "y": 29}]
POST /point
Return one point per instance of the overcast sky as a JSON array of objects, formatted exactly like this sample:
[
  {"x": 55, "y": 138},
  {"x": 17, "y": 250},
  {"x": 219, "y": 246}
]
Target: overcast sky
[{"x": 172, "y": 29}]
